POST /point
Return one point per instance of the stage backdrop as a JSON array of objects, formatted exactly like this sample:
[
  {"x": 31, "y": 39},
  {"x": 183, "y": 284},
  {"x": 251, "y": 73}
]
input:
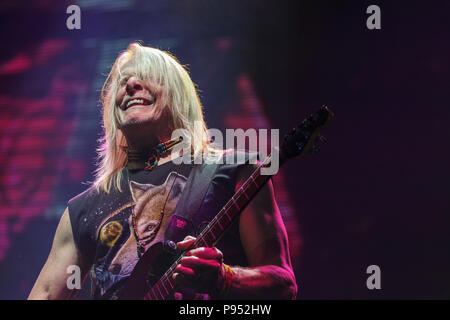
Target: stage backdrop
[{"x": 377, "y": 192}]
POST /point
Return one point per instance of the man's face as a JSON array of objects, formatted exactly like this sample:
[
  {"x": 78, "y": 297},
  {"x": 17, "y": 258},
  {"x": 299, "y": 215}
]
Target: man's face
[{"x": 137, "y": 101}]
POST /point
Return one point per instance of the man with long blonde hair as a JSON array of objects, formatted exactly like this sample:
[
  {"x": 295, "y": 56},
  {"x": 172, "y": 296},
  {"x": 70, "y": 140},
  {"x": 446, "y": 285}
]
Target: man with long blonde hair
[{"x": 105, "y": 230}]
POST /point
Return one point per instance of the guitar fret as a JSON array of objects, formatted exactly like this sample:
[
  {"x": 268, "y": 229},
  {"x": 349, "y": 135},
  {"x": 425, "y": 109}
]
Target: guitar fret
[
  {"x": 240, "y": 200},
  {"x": 226, "y": 214},
  {"x": 203, "y": 238},
  {"x": 167, "y": 292},
  {"x": 207, "y": 233},
  {"x": 157, "y": 287},
  {"x": 232, "y": 198},
  {"x": 252, "y": 188},
  {"x": 228, "y": 206},
  {"x": 155, "y": 297},
  {"x": 244, "y": 187},
  {"x": 220, "y": 225},
  {"x": 216, "y": 229},
  {"x": 245, "y": 194},
  {"x": 253, "y": 179},
  {"x": 169, "y": 281}
]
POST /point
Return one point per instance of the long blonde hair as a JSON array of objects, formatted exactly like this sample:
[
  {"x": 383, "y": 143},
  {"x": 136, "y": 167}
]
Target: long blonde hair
[{"x": 179, "y": 94}]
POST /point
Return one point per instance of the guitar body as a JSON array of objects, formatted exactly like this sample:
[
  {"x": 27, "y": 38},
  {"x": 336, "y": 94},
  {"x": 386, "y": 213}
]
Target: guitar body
[{"x": 150, "y": 267}]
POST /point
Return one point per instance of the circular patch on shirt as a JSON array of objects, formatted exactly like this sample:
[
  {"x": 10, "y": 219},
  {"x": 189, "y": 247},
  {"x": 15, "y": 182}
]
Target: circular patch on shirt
[{"x": 110, "y": 233}]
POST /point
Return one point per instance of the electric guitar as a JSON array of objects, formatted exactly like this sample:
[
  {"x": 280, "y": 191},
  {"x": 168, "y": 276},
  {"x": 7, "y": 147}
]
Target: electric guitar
[{"x": 158, "y": 284}]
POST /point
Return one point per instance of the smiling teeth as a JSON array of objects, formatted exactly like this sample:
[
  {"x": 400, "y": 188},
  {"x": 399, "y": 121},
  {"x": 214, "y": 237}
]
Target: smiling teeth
[{"x": 139, "y": 101}]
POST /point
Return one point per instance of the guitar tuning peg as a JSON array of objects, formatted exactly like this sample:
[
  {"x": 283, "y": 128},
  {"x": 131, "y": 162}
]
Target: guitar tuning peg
[{"x": 315, "y": 149}]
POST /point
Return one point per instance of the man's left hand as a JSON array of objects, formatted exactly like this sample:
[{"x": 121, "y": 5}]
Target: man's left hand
[{"x": 201, "y": 268}]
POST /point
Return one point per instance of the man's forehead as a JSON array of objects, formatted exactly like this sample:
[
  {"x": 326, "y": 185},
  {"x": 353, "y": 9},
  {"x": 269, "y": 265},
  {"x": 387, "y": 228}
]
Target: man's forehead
[{"x": 127, "y": 68}]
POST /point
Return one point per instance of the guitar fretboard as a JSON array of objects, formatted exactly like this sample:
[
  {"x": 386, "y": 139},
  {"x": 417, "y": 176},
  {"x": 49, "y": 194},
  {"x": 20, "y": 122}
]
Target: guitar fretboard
[{"x": 212, "y": 233}]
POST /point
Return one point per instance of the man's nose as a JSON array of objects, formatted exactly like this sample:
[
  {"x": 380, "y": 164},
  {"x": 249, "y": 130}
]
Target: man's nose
[{"x": 133, "y": 85}]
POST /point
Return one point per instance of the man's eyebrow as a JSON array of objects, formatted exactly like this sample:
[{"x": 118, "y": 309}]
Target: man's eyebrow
[
  {"x": 124, "y": 74},
  {"x": 126, "y": 71}
]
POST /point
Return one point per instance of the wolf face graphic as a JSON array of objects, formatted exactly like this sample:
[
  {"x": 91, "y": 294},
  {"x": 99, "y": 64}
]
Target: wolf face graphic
[{"x": 150, "y": 222}]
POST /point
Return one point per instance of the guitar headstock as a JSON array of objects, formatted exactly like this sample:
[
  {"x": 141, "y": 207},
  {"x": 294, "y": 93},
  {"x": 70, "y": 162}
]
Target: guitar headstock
[{"x": 301, "y": 139}]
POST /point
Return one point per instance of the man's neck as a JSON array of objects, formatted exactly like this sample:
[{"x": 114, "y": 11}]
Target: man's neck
[
  {"x": 138, "y": 159},
  {"x": 139, "y": 164}
]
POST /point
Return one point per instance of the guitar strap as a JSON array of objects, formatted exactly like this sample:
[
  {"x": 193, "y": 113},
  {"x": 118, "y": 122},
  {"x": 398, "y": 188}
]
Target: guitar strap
[{"x": 194, "y": 192}]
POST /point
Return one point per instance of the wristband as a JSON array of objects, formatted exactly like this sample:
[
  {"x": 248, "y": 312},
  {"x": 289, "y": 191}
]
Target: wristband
[{"x": 229, "y": 274}]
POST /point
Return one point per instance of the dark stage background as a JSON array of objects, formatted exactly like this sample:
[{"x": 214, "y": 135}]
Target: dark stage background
[{"x": 378, "y": 191}]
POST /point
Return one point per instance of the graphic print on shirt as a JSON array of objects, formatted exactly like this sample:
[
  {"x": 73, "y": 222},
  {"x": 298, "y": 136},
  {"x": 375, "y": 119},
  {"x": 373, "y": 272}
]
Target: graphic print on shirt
[{"x": 116, "y": 234}]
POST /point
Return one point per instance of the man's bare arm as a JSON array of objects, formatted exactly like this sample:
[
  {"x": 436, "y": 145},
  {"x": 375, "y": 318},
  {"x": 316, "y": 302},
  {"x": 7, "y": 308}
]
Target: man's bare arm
[
  {"x": 52, "y": 281},
  {"x": 264, "y": 239}
]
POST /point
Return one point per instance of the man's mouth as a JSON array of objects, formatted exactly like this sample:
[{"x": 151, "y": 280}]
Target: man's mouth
[{"x": 135, "y": 101}]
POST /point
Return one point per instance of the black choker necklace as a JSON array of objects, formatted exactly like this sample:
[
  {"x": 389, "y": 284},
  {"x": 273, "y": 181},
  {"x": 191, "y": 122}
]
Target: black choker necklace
[{"x": 149, "y": 159}]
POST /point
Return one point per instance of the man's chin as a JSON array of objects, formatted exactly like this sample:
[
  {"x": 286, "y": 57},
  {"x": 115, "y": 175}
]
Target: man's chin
[{"x": 135, "y": 122}]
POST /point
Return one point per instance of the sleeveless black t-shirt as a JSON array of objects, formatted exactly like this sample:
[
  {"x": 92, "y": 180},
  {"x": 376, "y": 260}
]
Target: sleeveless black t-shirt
[{"x": 103, "y": 224}]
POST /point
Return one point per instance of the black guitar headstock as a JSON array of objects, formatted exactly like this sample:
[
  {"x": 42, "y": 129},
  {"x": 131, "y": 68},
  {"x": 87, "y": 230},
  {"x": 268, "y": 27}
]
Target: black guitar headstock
[{"x": 301, "y": 139}]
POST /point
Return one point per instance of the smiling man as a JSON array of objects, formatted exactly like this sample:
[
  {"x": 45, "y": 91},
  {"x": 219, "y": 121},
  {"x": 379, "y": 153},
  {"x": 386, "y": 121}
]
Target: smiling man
[{"x": 130, "y": 206}]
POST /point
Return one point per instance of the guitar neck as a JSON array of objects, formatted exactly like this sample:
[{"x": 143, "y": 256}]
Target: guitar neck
[{"x": 216, "y": 228}]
